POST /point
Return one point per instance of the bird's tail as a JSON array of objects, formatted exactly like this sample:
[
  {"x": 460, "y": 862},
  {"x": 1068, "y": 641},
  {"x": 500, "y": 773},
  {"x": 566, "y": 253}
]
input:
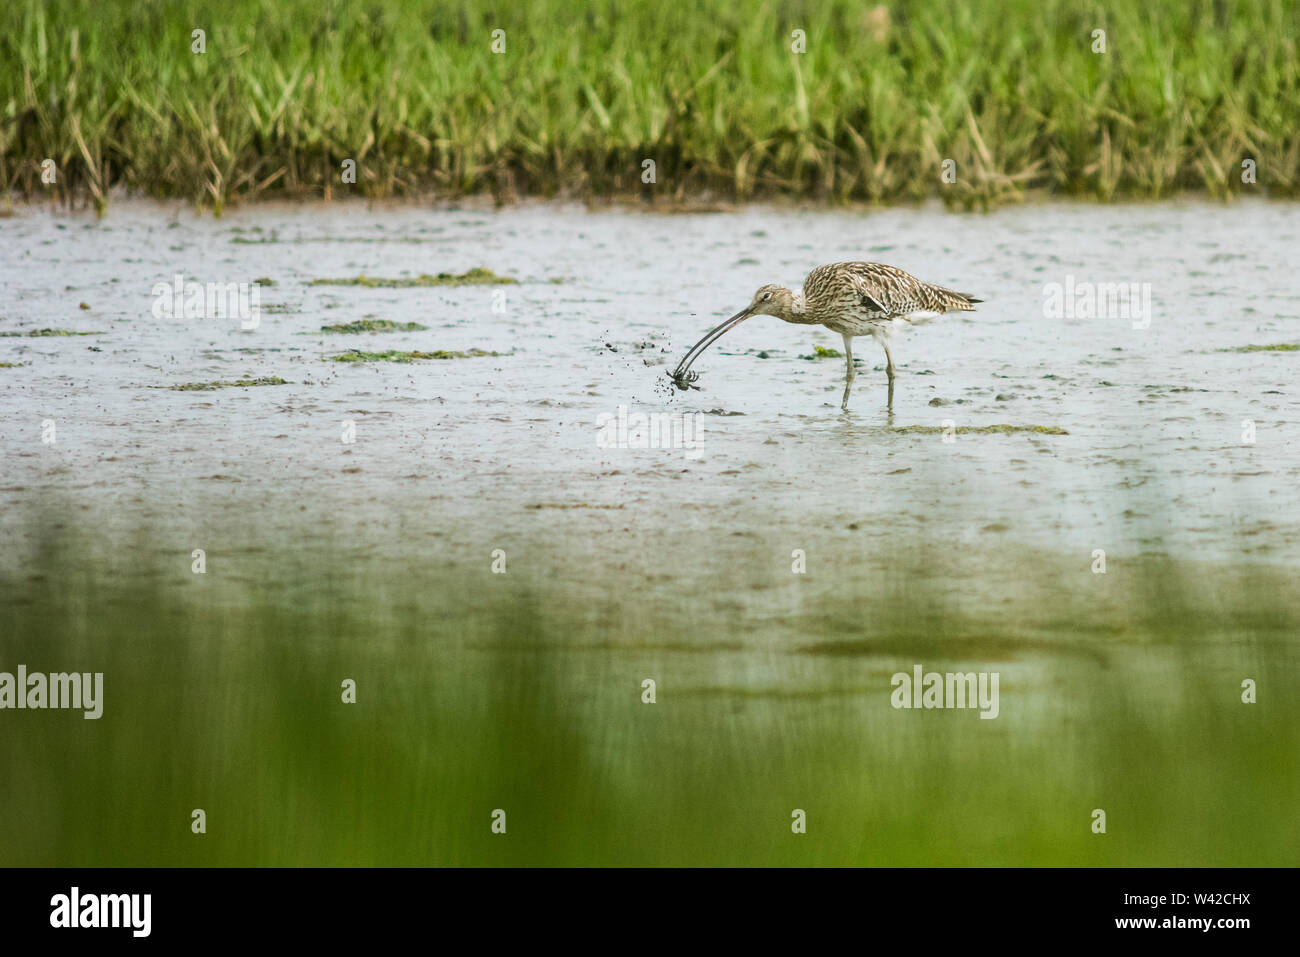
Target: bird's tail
[{"x": 954, "y": 301}]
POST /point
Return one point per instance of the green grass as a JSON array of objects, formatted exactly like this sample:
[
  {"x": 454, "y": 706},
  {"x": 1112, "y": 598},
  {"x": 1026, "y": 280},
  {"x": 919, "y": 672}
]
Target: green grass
[
  {"x": 1009, "y": 90},
  {"x": 475, "y": 692}
]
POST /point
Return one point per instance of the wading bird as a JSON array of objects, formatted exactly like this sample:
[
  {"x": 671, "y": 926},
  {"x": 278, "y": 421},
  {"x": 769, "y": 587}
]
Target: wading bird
[{"x": 853, "y": 299}]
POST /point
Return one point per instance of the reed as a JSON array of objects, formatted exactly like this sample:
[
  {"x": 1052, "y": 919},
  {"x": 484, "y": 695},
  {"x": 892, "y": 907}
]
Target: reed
[{"x": 1009, "y": 90}]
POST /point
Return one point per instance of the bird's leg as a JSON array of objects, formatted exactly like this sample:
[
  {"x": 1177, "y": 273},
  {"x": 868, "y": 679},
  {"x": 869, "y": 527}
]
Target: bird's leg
[
  {"x": 889, "y": 370},
  {"x": 848, "y": 376}
]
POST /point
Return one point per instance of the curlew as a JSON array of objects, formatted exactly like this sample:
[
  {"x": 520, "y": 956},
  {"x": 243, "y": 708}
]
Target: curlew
[{"x": 853, "y": 299}]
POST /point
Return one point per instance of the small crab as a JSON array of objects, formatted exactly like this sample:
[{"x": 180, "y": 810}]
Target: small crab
[{"x": 684, "y": 380}]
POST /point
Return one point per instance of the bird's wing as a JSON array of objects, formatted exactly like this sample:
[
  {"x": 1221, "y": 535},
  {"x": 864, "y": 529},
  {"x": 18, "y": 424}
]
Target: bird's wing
[
  {"x": 883, "y": 289},
  {"x": 893, "y": 292}
]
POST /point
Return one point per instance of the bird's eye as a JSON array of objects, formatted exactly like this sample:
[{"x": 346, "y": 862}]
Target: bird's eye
[{"x": 767, "y": 296}]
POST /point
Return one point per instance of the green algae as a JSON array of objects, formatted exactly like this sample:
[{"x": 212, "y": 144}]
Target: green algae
[
  {"x": 397, "y": 355},
  {"x": 981, "y": 429},
  {"x": 821, "y": 352},
  {"x": 49, "y": 333},
  {"x": 477, "y": 276},
  {"x": 1277, "y": 347},
  {"x": 223, "y": 384},
  {"x": 373, "y": 325}
]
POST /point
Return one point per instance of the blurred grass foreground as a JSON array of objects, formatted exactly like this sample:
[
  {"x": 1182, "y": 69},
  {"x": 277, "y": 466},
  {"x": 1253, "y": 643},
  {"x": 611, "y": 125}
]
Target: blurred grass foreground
[
  {"x": 736, "y": 99},
  {"x": 227, "y": 694}
]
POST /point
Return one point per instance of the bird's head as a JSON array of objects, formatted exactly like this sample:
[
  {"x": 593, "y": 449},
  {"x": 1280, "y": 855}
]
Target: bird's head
[
  {"x": 769, "y": 300},
  {"x": 772, "y": 300}
]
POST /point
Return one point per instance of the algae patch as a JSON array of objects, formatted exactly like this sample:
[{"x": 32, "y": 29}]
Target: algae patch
[
  {"x": 1277, "y": 347},
  {"x": 223, "y": 384},
  {"x": 981, "y": 429},
  {"x": 821, "y": 352},
  {"x": 477, "y": 276},
  {"x": 373, "y": 325},
  {"x": 397, "y": 355},
  {"x": 45, "y": 333},
  {"x": 568, "y": 505}
]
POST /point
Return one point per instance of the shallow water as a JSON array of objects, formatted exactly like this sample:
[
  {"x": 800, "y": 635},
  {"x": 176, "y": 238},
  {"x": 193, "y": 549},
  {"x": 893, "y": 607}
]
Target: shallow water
[{"x": 607, "y": 302}]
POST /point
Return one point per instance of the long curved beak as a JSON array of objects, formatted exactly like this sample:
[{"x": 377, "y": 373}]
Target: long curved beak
[{"x": 714, "y": 334}]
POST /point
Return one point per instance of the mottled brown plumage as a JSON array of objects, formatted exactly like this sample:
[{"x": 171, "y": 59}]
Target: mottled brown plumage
[{"x": 851, "y": 298}]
